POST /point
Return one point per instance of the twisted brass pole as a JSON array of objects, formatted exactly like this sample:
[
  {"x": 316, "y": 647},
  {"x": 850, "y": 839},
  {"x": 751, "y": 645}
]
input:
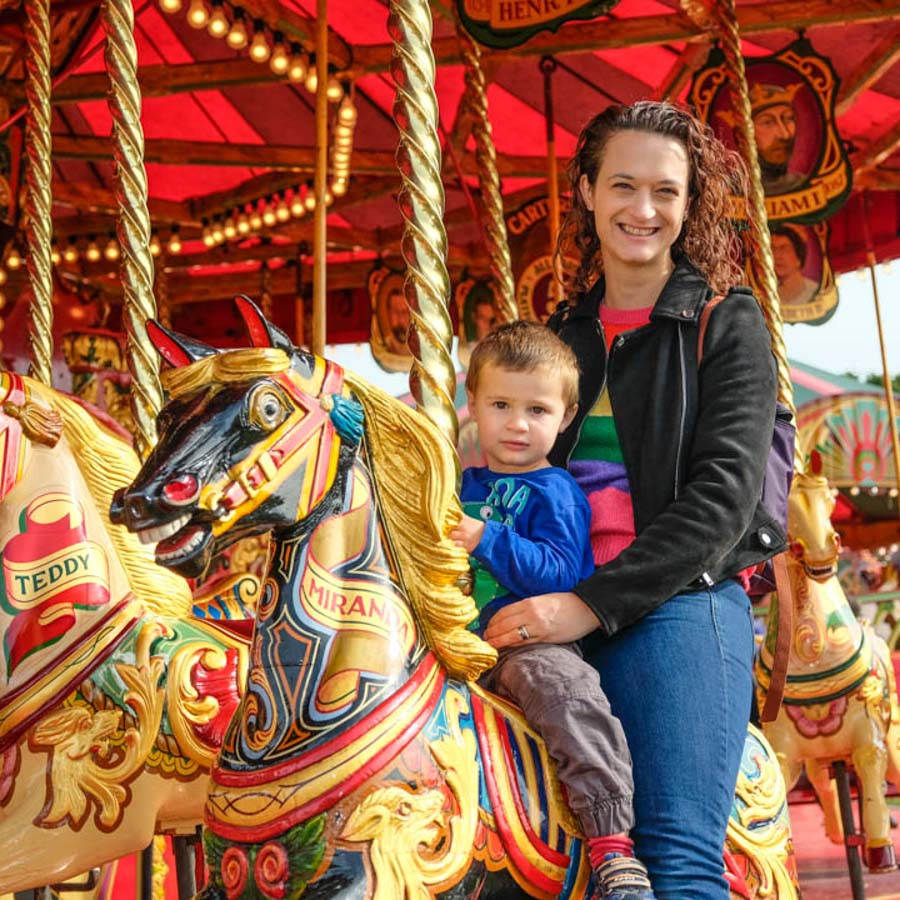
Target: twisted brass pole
[
  {"x": 475, "y": 102},
  {"x": 39, "y": 225},
  {"x": 725, "y": 18},
  {"x": 432, "y": 379},
  {"x": 133, "y": 226}
]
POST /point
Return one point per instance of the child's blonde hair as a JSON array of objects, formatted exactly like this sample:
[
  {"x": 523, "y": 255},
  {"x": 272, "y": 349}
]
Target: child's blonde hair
[{"x": 523, "y": 347}]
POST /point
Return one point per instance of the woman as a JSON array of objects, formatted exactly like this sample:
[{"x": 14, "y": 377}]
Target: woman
[{"x": 671, "y": 456}]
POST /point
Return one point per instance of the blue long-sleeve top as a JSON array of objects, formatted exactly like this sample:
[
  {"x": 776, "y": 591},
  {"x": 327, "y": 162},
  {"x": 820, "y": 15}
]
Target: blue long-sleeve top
[{"x": 536, "y": 534}]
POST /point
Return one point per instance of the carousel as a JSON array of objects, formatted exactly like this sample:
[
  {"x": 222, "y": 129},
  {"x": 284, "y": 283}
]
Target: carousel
[{"x": 274, "y": 694}]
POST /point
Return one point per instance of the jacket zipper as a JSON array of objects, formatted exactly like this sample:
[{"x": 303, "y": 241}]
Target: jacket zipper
[{"x": 681, "y": 367}]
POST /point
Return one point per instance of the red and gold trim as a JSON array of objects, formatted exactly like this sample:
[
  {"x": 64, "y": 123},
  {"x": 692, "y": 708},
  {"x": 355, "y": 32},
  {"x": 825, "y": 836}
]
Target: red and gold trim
[
  {"x": 255, "y": 806},
  {"x": 12, "y": 447}
]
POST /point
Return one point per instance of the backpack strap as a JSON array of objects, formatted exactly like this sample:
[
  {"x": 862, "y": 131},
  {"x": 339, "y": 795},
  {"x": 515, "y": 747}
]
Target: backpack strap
[
  {"x": 778, "y": 676},
  {"x": 705, "y": 313}
]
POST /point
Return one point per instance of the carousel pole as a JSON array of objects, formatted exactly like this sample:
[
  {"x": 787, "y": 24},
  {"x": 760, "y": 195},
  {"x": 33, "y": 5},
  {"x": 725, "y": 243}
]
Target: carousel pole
[
  {"x": 432, "y": 378},
  {"x": 320, "y": 280},
  {"x": 475, "y": 102},
  {"x": 133, "y": 225},
  {"x": 548, "y": 67},
  {"x": 722, "y": 17},
  {"x": 888, "y": 385},
  {"x": 39, "y": 225}
]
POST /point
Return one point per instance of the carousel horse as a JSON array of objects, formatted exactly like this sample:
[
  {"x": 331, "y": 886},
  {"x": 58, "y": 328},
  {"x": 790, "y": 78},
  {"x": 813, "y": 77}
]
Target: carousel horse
[
  {"x": 113, "y": 699},
  {"x": 363, "y": 758},
  {"x": 840, "y": 701}
]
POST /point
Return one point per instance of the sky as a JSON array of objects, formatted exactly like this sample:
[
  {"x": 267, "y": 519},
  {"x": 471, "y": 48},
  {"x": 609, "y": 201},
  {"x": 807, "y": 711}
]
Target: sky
[{"x": 847, "y": 342}]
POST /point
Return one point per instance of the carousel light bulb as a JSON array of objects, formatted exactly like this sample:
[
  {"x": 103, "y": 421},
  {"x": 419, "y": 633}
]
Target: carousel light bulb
[
  {"x": 92, "y": 253},
  {"x": 55, "y": 258},
  {"x": 13, "y": 260},
  {"x": 174, "y": 245},
  {"x": 70, "y": 254},
  {"x": 312, "y": 80},
  {"x": 283, "y": 211},
  {"x": 339, "y": 187},
  {"x": 218, "y": 25},
  {"x": 170, "y": 6},
  {"x": 155, "y": 246},
  {"x": 280, "y": 61},
  {"x": 347, "y": 111},
  {"x": 198, "y": 14},
  {"x": 269, "y": 218},
  {"x": 255, "y": 219},
  {"x": 854, "y": 491},
  {"x": 237, "y": 34},
  {"x": 111, "y": 250},
  {"x": 299, "y": 65},
  {"x": 329, "y": 197},
  {"x": 259, "y": 46},
  {"x": 3, "y": 275},
  {"x": 893, "y": 492},
  {"x": 208, "y": 240},
  {"x": 229, "y": 229},
  {"x": 334, "y": 91},
  {"x": 309, "y": 201},
  {"x": 218, "y": 233},
  {"x": 243, "y": 224},
  {"x": 297, "y": 207}
]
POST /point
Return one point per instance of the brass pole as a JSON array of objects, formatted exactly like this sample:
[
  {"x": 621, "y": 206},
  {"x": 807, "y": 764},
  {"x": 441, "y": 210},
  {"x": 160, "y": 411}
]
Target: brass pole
[
  {"x": 548, "y": 67},
  {"x": 888, "y": 385},
  {"x": 432, "y": 378},
  {"x": 133, "y": 225},
  {"x": 475, "y": 101},
  {"x": 39, "y": 225},
  {"x": 725, "y": 19},
  {"x": 320, "y": 279}
]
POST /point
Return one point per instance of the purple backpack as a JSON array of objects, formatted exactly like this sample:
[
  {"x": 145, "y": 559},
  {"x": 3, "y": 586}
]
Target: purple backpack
[{"x": 779, "y": 468}]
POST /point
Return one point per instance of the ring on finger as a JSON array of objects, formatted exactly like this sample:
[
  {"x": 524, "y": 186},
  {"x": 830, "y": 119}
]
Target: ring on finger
[{"x": 523, "y": 632}]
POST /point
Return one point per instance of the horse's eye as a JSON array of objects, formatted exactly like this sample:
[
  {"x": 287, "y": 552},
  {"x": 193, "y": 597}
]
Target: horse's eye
[{"x": 266, "y": 409}]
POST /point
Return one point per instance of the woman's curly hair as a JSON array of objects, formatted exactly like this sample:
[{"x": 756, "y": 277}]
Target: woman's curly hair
[{"x": 708, "y": 239}]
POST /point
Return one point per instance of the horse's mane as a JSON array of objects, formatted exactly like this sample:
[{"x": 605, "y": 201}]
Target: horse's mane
[
  {"x": 415, "y": 469},
  {"x": 107, "y": 462}
]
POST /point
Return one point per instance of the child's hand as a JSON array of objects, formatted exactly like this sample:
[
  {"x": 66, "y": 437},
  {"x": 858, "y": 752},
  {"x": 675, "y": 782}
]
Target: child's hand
[{"x": 468, "y": 533}]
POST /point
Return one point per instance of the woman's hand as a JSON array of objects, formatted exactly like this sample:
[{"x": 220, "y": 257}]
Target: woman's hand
[
  {"x": 547, "y": 618},
  {"x": 468, "y": 533}
]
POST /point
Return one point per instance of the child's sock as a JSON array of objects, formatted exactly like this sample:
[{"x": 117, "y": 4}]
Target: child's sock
[{"x": 598, "y": 847}]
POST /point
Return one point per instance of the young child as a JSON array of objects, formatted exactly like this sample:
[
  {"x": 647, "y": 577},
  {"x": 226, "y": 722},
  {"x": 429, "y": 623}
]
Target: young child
[{"x": 532, "y": 536}]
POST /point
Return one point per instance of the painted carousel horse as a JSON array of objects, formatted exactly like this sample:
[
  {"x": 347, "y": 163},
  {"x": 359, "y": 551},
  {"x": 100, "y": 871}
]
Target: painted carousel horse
[
  {"x": 840, "y": 702},
  {"x": 113, "y": 701},
  {"x": 363, "y": 758}
]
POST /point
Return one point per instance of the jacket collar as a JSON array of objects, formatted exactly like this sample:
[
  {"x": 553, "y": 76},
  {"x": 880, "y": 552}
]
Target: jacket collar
[{"x": 681, "y": 298}]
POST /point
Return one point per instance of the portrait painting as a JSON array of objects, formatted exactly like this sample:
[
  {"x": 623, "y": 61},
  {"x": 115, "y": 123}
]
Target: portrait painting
[{"x": 391, "y": 319}]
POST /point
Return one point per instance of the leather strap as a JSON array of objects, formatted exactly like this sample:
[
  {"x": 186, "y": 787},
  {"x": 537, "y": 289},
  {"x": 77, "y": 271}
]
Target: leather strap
[{"x": 778, "y": 678}]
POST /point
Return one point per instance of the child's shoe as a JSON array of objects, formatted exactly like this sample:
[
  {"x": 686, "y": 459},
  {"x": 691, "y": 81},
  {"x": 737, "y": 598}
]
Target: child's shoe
[{"x": 621, "y": 877}]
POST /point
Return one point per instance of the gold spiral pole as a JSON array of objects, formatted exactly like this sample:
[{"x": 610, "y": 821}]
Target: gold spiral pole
[
  {"x": 475, "y": 105},
  {"x": 39, "y": 225},
  {"x": 724, "y": 16},
  {"x": 133, "y": 226},
  {"x": 432, "y": 379}
]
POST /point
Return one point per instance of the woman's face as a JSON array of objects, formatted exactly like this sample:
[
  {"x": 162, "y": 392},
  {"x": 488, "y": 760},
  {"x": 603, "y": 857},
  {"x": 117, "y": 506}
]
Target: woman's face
[{"x": 639, "y": 199}]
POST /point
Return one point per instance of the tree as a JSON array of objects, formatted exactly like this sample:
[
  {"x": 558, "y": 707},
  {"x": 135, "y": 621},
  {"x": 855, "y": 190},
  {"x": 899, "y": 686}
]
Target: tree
[{"x": 877, "y": 379}]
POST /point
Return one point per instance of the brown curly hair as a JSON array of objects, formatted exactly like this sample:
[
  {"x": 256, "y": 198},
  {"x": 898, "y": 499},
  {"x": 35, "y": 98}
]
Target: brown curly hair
[{"x": 708, "y": 239}]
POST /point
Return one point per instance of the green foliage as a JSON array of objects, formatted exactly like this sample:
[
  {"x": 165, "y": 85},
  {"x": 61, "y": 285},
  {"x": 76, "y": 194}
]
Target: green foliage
[{"x": 878, "y": 380}]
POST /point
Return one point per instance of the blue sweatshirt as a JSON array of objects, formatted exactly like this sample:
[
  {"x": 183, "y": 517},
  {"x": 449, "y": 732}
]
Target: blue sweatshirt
[{"x": 536, "y": 535}]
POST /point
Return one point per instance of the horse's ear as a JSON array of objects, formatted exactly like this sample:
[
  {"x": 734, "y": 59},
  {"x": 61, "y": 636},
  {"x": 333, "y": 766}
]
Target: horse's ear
[
  {"x": 261, "y": 331},
  {"x": 176, "y": 349}
]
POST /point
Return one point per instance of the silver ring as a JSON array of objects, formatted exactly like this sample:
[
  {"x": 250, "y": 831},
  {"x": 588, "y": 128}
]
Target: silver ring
[{"x": 523, "y": 632}]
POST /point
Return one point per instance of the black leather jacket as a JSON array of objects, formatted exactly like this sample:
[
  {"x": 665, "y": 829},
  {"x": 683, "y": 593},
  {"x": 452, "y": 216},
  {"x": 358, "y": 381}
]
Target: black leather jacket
[{"x": 695, "y": 443}]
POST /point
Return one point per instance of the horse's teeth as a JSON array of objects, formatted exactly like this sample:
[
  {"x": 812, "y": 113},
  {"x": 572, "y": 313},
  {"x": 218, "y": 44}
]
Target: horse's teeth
[
  {"x": 160, "y": 533},
  {"x": 184, "y": 550}
]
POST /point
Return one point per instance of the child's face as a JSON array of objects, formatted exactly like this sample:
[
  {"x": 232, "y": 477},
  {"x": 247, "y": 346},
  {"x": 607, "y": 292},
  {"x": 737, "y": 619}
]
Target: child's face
[{"x": 519, "y": 415}]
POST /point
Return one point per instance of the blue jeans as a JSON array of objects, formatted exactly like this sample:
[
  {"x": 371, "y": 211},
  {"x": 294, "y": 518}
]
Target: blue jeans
[{"x": 679, "y": 681}]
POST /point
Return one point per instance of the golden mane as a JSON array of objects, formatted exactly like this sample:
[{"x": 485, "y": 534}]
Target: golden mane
[
  {"x": 415, "y": 470},
  {"x": 107, "y": 462}
]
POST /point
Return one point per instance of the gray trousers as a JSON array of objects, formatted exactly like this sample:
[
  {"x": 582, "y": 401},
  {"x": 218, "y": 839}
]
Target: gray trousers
[{"x": 561, "y": 697}]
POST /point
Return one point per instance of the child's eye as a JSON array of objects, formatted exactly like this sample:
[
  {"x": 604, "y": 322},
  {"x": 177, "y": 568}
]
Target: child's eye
[
  {"x": 538, "y": 410},
  {"x": 500, "y": 404}
]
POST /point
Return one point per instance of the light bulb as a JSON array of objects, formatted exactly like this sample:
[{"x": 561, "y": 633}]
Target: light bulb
[
  {"x": 3, "y": 276},
  {"x": 208, "y": 239},
  {"x": 312, "y": 80},
  {"x": 13, "y": 260},
  {"x": 229, "y": 229},
  {"x": 259, "y": 46},
  {"x": 70, "y": 254},
  {"x": 280, "y": 61},
  {"x": 282, "y": 211},
  {"x": 268, "y": 217},
  {"x": 243, "y": 224},
  {"x": 339, "y": 187},
  {"x": 347, "y": 111},
  {"x": 55, "y": 258},
  {"x": 297, "y": 207},
  {"x": 237, "y": 34},
  {"x": 329, "y": 197},
  {"x": 170, "y": 6},
  {"x": 111, "y": 250},
  {"x": 309, "y": 201},
  {"x": 334, "y": 91},
  {"x": 155, "y": 246},
  {"x": 218, "y": 233},
  {"x": 299, "y": 65},
  {"x": 218, "y": 25},
  {"x": 174, "y": 241},
  {"x": 255, "y": 220},
  {"x": 198, "y": 14},
  {"x": 92, "y": 254}
]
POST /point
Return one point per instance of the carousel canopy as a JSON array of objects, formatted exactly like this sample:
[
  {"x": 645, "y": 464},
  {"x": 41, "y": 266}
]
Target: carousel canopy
[{"x": 228, "y": 138}]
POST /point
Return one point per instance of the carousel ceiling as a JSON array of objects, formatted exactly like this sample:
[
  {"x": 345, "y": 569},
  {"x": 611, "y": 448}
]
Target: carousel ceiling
[{"x": 230, "y": 141}]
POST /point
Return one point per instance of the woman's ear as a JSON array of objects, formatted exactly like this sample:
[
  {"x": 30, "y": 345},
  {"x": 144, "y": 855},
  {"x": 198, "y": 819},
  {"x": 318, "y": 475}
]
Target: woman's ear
[{"x": 586, "y": 192}]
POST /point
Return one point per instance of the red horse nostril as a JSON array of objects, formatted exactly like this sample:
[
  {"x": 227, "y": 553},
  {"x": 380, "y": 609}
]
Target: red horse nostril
[{"x": 182, "y": 490}]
